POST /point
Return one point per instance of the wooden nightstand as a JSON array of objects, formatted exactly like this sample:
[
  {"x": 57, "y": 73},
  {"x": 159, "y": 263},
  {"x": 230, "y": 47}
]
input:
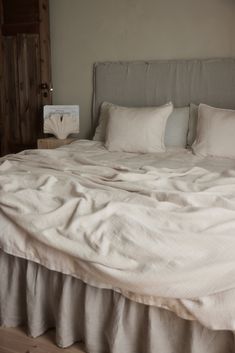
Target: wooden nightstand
[{"x": 52, "y": 142}]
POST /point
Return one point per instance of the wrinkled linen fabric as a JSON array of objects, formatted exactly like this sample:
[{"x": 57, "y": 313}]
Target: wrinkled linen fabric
[
  {"x": 157, "y": 228},
  {"x": 104, "y": 320}
]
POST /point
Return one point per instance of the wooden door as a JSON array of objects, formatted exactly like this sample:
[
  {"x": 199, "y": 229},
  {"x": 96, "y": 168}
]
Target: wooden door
[
  {"x": 2, "y": 92},
  {"x": 26, "y": 79},
  {"x": 22, "y": 91}
]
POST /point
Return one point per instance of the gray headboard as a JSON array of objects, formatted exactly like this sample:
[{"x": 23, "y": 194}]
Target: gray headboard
[{"x": 150, "y": 83}]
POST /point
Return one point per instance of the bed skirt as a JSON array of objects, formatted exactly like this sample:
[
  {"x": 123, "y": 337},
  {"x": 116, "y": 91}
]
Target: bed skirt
[{"x": 104, "y": 320}]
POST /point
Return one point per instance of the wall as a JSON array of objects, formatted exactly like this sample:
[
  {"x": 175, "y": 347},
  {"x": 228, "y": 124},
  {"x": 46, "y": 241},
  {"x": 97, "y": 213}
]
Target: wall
[{"x": 86, "y": 31}]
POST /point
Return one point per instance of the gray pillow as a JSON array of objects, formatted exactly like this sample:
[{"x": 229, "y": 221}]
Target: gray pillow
[
  {"x": 100, "y": 132},
  {"x": 192, "y": 130},
  {"x": 176, "y": 127}
]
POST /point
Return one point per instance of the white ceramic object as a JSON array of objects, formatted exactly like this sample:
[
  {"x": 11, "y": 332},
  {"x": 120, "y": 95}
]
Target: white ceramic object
[{"x": 61, "y": 125}]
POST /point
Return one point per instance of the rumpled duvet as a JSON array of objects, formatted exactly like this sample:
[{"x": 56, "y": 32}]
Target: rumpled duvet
[{"x": 160, "y": 229}]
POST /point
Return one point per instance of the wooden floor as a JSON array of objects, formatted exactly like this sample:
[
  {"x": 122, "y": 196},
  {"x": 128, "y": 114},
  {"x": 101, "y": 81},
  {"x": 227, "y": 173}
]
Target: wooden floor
[{"x": 16, "y": 341}]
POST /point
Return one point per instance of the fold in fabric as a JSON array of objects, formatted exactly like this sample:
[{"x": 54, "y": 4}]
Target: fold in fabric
[{"x": 105, "y": 321}]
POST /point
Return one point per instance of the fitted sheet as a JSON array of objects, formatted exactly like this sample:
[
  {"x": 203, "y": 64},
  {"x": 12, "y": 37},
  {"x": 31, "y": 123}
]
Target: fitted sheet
[
  {"x": 104, "y": 320},
  {"x": 34, "y": 215}
]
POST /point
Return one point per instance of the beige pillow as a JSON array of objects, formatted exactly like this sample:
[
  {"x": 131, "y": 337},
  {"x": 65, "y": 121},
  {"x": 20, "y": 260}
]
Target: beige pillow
[
  {"x": 176, "y": 126},
  {"x": 215, "y": 132},
  {"x": 137, "y": 129}
]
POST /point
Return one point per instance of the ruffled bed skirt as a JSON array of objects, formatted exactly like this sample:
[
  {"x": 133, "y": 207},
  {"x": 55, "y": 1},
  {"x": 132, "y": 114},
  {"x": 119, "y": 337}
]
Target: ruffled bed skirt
[{"x": 104, "y": 320}]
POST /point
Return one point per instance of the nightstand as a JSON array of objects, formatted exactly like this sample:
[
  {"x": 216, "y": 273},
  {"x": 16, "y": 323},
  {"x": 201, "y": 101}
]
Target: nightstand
[{"x": 52, "y": 142}]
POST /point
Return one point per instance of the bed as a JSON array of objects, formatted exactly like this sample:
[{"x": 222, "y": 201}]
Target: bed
[{"x": 104, "y": 288}]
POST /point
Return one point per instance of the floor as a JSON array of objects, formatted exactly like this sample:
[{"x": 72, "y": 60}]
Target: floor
[{"x": 16, "y": 341}]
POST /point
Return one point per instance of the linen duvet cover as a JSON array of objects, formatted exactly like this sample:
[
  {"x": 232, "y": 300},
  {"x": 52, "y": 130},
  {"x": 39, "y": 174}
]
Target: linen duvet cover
[{"x": 158, "y": 228}]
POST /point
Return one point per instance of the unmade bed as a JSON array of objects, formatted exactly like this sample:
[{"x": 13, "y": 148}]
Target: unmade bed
[{"x": 129, "y": 252}]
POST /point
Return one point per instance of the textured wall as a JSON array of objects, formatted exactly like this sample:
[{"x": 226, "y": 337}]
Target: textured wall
[{"x": 86, "y": 31}]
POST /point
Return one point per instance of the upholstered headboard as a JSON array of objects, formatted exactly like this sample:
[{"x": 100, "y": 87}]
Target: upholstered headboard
[{"x": 150, "y": 83}]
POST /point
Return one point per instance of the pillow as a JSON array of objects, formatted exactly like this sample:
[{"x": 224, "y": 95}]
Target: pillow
[
  {"x": 139, "y": 130},
  {"x": 192, "y": 128},
  {"x": 176, "y": 127},
  {"x": 215, "y": 132},
  {"x": 100, "y": 131}
]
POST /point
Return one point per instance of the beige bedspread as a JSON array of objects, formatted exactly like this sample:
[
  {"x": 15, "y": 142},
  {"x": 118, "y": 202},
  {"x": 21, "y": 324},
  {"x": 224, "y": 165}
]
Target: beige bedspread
[{"x": 160, "y": 229}]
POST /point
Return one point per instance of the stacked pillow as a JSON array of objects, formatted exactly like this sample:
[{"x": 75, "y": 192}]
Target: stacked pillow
[
  {"x": 209, "y": 131},
  {"x": 148, "y": 129}
]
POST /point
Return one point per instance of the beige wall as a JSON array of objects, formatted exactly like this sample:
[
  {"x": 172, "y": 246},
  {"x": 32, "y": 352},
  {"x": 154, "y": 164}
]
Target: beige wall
[{"x": 86, "y": 31}]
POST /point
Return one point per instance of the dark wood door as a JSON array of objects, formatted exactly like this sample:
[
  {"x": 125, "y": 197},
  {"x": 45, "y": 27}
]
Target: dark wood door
[{"x": 26, "y": 72}]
